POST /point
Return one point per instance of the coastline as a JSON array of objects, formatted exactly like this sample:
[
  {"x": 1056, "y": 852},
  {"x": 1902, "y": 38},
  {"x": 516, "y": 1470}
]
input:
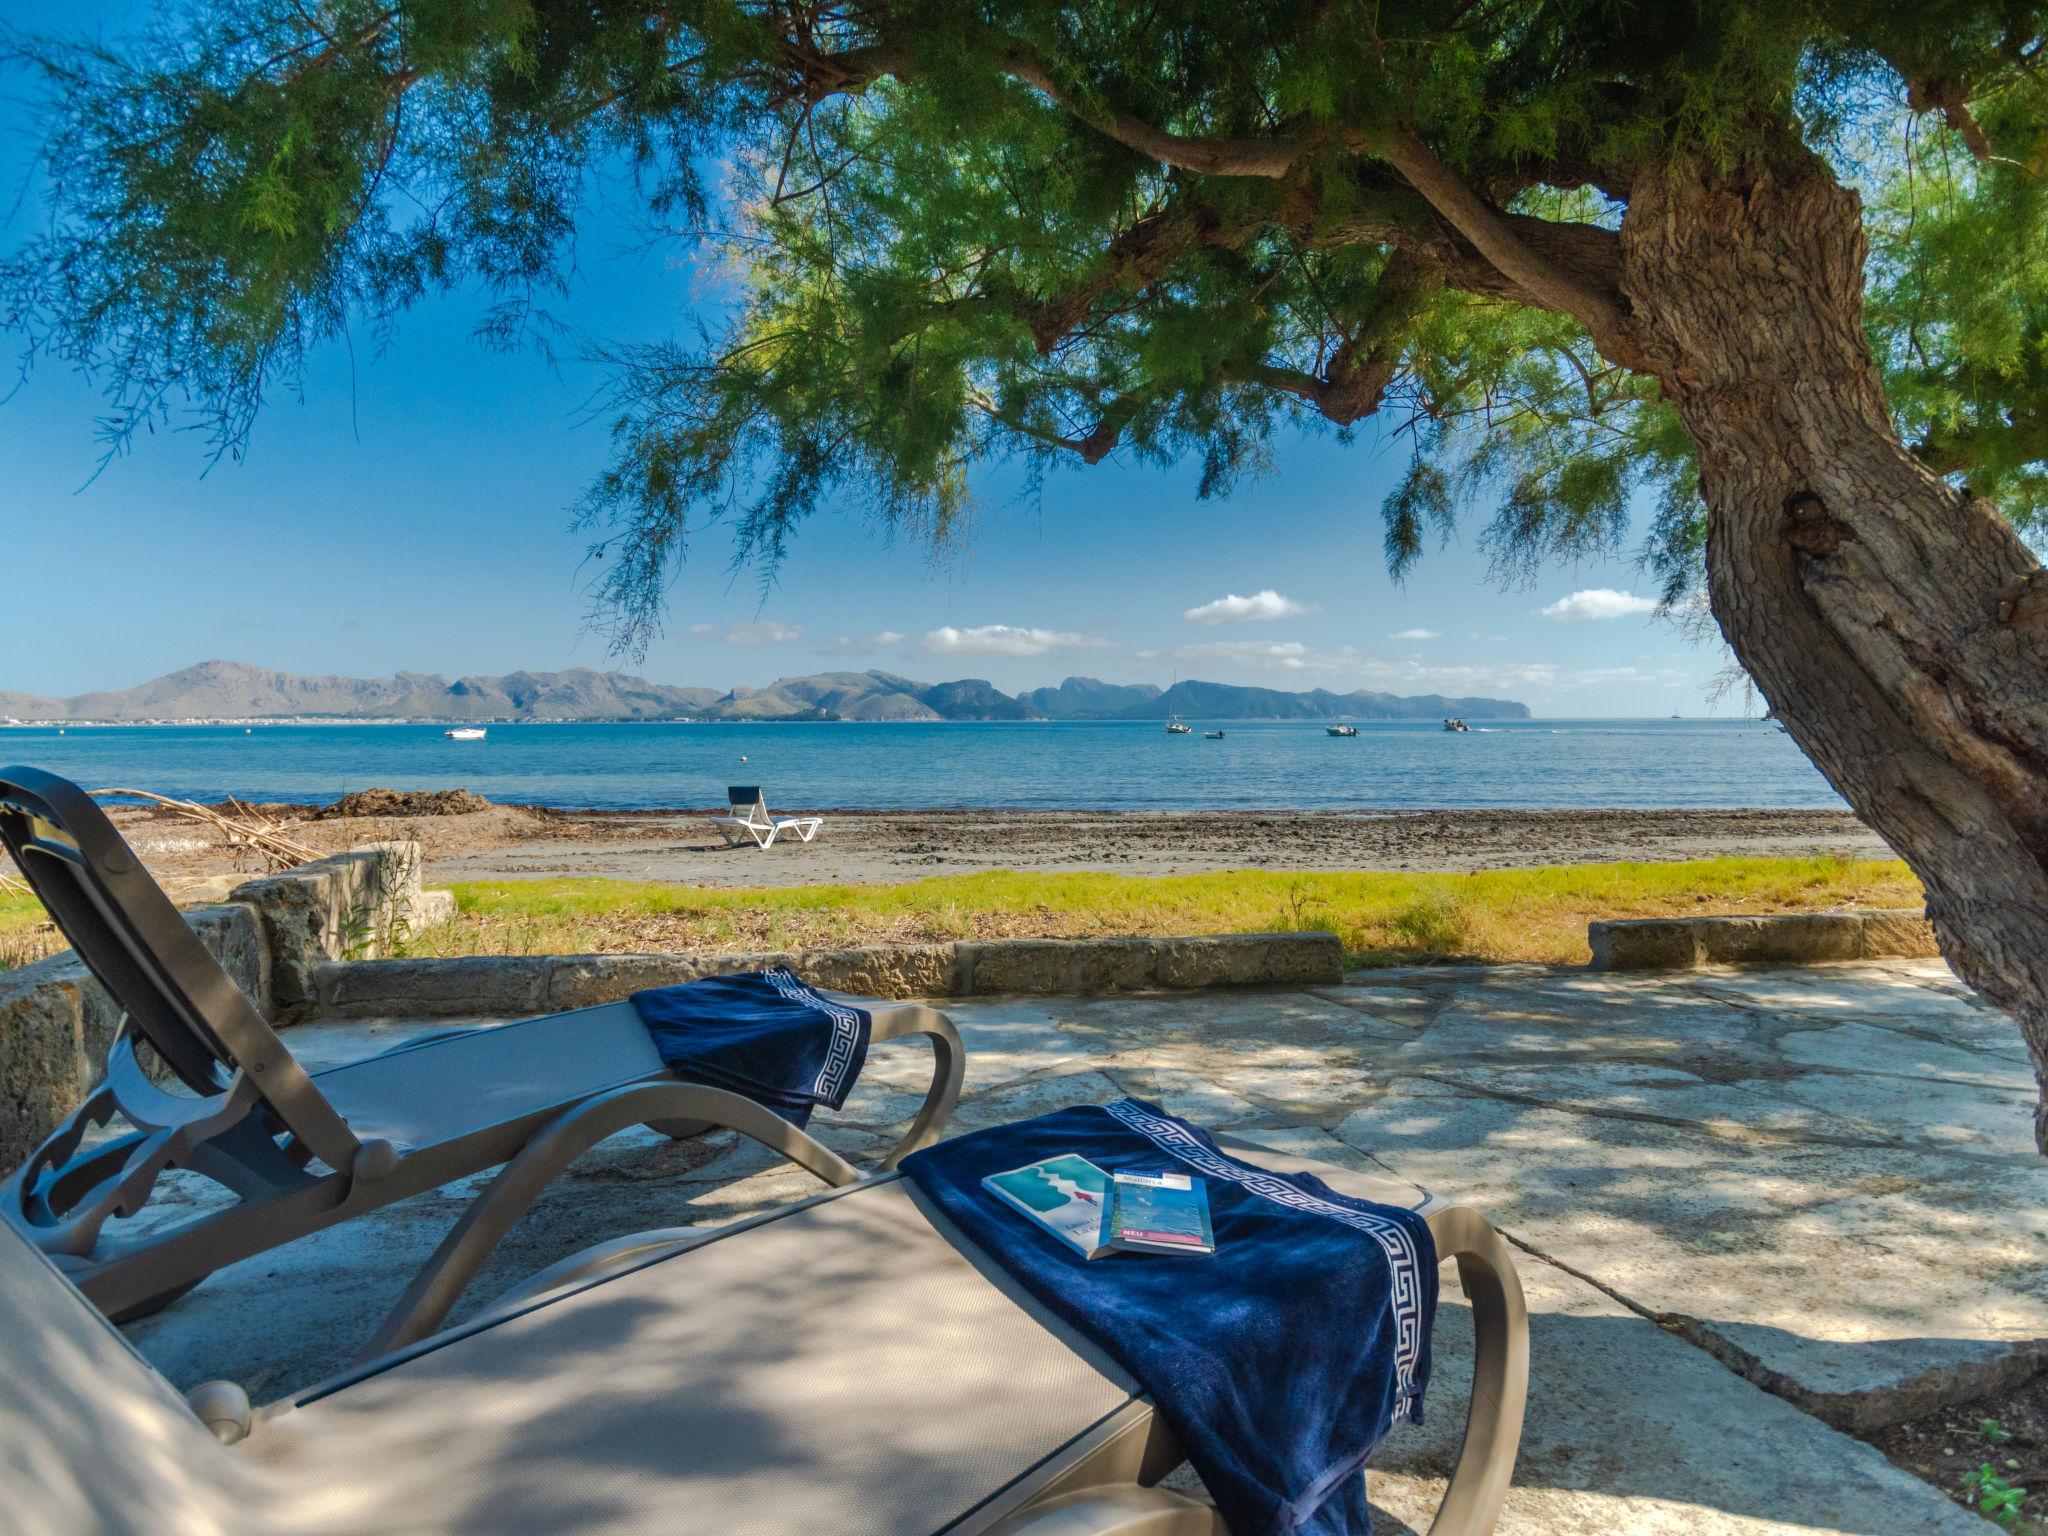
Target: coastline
[{"x": 880, "y": 847}]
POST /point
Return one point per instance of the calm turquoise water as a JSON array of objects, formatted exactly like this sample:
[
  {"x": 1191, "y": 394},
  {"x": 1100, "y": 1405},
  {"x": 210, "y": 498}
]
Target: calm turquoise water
[{"x": 1087, "y": 766}]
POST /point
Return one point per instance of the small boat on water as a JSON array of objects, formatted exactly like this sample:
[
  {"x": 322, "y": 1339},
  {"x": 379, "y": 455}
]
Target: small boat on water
[
  {"x": 1456, "y": 725},
  {"x": 466, "y": 733},
  {"x": 1175, "y": 728},
  {"x": 1343, "y": 730},
  {"x": 1212, "y": 735}
]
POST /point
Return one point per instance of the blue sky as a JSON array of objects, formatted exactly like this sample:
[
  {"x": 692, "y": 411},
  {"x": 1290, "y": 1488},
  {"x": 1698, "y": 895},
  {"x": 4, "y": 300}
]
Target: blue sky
[{"x": 411, "y": 511}]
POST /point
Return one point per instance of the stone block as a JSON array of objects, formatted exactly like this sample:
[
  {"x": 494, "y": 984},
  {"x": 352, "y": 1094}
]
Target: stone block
[
  {"x": 233, "y": 934},
  {"x": 353, "y": 906},
  {"x": 480, "y": 986},
  {"x": 432, "y": 908},
  {"x": 1250, "y": 960},
  {"x": 1073, "y": 967},
  {"x": 884, "y": 970},
  {"x": 1806, "y": 938},
  {"x": 1897, "y": 931},
  {"x": 584, "y": 981},
  {"x": 44, "y": 1068},
  {"x": 1644, "y": 944},
  {"x": 1782, "y": 938}
]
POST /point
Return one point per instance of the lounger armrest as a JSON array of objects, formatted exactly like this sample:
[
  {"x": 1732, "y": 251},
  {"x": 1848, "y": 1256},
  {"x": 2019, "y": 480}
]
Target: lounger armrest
[
  {"x": 471, "y": 1241},
  {"x": 1500, "y": 1371},
  {"x": 895, "y": 1021},
  {"x": 1120, "y": 1511}
]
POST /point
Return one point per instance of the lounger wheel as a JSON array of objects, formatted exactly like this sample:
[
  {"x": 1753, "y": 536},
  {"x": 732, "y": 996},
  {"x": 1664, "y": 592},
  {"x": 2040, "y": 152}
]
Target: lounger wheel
[
  {"x": 1500, "y": 1372},
  {"x": 1122, "y": 1511}
]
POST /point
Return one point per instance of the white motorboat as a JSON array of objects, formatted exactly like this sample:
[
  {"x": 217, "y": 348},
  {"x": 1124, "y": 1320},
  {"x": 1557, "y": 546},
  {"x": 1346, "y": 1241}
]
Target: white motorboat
[
  {"x": 1343, "y": 730},
  {"x": 1175, "y": 728},
  {"x": 1212, "y": 735},
  {"x": 466, "y": 733},
  {"x": 1456, "y": 725}
]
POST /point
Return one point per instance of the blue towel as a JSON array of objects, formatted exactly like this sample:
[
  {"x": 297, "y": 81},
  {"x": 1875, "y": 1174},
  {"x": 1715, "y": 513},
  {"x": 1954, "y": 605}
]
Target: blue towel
[
  {"x": 763, "y": 1034},
  {"x": 1280, "y": 1361}
]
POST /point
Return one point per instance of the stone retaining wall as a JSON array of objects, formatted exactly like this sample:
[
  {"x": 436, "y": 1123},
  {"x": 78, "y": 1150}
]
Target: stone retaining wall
[
  {"x": 511, "y": 985},
  {"x": 1793, "y": 938},
  {"x": 56, "y": 1022}
]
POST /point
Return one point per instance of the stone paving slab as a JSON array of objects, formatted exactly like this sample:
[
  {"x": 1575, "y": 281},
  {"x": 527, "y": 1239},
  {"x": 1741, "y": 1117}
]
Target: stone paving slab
[
  {"x": 1827, "y": 1177},
  {"x": 1859, "y": 1282},
  {"x": 1632, "y": 1430}
]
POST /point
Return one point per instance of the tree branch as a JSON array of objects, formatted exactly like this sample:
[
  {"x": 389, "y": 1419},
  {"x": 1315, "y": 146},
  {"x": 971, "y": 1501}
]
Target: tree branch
[
  {"x": 1349, "y": 390},
  {"x": 1268, "y": 157},
  {"x": 1546, "y": 283}
]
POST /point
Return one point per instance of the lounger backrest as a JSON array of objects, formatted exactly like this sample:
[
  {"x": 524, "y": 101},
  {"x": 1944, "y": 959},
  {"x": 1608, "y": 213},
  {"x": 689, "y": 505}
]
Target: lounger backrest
[
  {"x": 129, "y": 935},
  {"x": 91, "y": 1438},
  {"x": 747, "y": 799}
]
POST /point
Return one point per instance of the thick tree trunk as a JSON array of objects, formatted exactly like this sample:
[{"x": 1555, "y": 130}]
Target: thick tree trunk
[{"x": 1897, "y": 627}]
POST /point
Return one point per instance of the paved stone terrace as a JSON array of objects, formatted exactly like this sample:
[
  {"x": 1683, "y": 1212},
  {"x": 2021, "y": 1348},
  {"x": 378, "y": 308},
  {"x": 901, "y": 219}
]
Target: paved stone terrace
[{"x": 1749, "y": 1205}]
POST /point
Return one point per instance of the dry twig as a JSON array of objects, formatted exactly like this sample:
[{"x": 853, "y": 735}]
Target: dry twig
[{"x": 248, "y": 830}]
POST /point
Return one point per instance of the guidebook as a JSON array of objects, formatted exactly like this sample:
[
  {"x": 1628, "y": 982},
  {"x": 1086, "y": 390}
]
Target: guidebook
[
  {"x": 1158, "y": 1213},
  {"x": 1079, "y": 1204},
  {"x": 1066, "y": 1195}
]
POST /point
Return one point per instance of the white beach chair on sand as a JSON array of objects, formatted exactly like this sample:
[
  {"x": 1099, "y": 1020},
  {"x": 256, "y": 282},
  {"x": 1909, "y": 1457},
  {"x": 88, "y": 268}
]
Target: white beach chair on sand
[{"x": 749, "y": 818}]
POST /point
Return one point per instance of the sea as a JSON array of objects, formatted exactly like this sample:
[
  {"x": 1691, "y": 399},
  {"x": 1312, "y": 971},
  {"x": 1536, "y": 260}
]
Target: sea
[{"x": 1064, "y": 765}]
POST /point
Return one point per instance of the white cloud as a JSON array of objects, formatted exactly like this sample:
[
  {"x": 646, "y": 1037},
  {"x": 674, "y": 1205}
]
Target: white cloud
[
  {"x": 1281, "y": 655},
  {"x": 861, "y": 645},
  {"x": 1598, "y": 603},
  {"x": 1417, "y": 634},
  {"x": 1260, "y": 607},
  {"x": 1006, "y": 640},
  {"x": 750, "y": 632}
]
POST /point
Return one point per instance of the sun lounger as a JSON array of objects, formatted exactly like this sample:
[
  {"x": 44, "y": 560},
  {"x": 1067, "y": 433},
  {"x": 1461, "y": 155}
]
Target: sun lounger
[
  {"x": 848, "y": 1364},
  {"x": 298, "y": 1151},
  {"x": 749, "y": 820}
]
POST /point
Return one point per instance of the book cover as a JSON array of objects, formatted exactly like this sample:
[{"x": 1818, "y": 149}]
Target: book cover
[
  {"x": 1158, "y": 1213},
  {"x": 1066, "y": 1195}
]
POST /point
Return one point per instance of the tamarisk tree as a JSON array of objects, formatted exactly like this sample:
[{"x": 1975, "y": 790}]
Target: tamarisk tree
[{"x": 1776, "y": 269}]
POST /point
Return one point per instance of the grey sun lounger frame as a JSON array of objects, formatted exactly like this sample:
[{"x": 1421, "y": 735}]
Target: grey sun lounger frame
[
  {"x": 91, "y": 1410},
  {"x": 245, "y": 1113}
]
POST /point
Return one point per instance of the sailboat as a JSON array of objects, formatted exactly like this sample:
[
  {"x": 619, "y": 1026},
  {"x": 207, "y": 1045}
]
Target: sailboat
[{"x": 1173, "y": 725}]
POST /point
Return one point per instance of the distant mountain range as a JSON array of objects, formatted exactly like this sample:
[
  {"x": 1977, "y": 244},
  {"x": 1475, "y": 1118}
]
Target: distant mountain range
[{"x": 233, "y": 690}]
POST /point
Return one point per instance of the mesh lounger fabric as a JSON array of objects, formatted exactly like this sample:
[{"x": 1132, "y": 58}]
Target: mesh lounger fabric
[
  {"x": 417, "y": 1098},
  {"x": 842, "y": 1370}
]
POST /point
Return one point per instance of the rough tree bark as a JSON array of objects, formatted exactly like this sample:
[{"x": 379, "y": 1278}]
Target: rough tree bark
[{"x": 1897, "y": 627}]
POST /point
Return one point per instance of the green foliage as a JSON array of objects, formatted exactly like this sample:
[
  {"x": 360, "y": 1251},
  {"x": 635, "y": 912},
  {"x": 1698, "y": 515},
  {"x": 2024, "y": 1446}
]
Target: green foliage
[
  {"x": 949, "y": 246},
  {"x": 1995, "y": 1495}
]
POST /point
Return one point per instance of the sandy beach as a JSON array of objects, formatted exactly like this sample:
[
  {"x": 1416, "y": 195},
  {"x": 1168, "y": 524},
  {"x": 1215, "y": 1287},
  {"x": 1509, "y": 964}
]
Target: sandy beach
[{"x": 511, "y": 842}]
